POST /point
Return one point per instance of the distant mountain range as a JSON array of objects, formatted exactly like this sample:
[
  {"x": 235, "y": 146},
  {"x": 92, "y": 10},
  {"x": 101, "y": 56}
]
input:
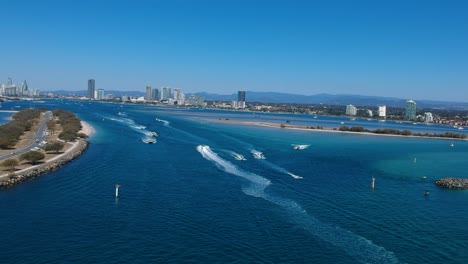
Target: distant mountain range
[{"x": 328, "y": 99}]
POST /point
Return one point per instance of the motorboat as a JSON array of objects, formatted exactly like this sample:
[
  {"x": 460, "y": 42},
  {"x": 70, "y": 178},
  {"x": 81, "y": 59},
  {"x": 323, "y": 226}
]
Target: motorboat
[
  {"x": 152, "y": 134},
  {"x": 300, "y": 147},
  {"x": 149, "y": 141},
  {"x": 140, "y": 127},
  {"x": 258, "y": 155},
  {"x": 239, "y": 157}
]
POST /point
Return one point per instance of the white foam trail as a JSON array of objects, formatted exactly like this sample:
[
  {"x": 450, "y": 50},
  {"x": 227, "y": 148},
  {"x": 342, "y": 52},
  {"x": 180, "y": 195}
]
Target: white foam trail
[
  {"x": 360, "y": 248},
  {"x": 227, "y": 166},
  {"x": 282, "y": 170},
  {"x": 165, "y": 122}
]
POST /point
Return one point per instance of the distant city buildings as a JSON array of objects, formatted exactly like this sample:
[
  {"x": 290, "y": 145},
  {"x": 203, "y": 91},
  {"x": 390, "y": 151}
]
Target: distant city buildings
[
  {"x": 240, "y": 103},
  {"x": 351, "y": 110},
  {"x": 196, "y": 100},
  {"x": 155, "y": 94},
  {"x": 11, "y": 90},
  {"x": 148, "y": 95},
  {"x": 99, "y": 94},
  {"x": 428, "y": 118},
  {"x": 91, "y": 88},
  {"x": 166, "y": 93},
  {"x": 410, "y": 110},
  {"x": 382, "y": 111},
  {"x": 369, "y": 113}
]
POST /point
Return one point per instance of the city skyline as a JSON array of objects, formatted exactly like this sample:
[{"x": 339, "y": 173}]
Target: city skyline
[{"x": 394, "y": 49}]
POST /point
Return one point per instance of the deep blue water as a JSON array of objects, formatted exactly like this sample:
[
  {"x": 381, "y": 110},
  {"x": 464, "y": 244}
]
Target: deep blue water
[{"x": 187, "y": 199}]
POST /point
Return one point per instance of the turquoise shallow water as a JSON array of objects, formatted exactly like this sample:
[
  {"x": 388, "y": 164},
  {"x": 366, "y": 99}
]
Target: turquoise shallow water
[{"x": 188, "y": 199}]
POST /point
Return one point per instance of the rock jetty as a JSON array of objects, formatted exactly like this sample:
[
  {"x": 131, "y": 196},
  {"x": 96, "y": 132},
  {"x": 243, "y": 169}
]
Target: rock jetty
[
  {"x": 453, "y": 183},
  {"x": 46, "y": 168}
]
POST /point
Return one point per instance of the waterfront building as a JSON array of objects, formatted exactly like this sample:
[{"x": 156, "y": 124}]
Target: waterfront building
[
  {"x": 100, "y": 94},
  {"x": 241, "y": 96},
  {"x": 370, "y": 113},
  {"x": 428, "y": 118},
  {"x": 351, "y": 110},
  {"x": 238, "y": 104},
  {"x": 382, "y": 111},
  {"x": 91, "y": 88},
  {"x": 196, "y": 100},
  {"x": 148, "y": 95},
  {"x": 155, "y": 94},
  {"x": 410, "y": 112},
  {"x": 166, "y": 93}
]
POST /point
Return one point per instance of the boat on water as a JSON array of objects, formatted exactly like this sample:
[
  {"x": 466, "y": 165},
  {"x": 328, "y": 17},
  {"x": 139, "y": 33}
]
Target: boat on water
[
  {"x": 149, "y": 141},
  {"x": 239, "y": 157},
  {"x": 152, "y": 134},
  {"x": 258, "y": 155},
  {"x": 300, "y": 147},
  {"x": 140, "y": 127},
  {"x": 460, "y": 128},
  {"x": 452, "y": 145}
]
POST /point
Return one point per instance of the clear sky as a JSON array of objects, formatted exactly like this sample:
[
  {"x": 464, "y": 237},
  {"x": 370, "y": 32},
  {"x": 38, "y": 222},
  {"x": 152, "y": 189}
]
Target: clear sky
[{"x": 407, "y": 49}]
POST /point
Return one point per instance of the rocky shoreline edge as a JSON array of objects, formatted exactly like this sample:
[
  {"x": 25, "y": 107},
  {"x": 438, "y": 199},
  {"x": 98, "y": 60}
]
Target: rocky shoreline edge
[
  {"x": 453, "y": 183},
  {"x": 45, "y": 168}
]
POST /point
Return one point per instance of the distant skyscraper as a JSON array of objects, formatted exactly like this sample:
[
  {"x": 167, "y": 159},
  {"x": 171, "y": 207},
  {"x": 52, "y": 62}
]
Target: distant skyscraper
[
  {"x": 166, "y": 93},
  {"x": 382, "y": 111},
  {"x": 428, "y": 117},
  {"x": 148, "y": 93},
  {"x": 410, "y": 112},
  {"x": 155, "y": 94},
  {"x": 351, "y": 110},
  {"x": 91, "y": 88},
  {"x": 100, "y": 94},
  {"x": 241, "y": 96}
]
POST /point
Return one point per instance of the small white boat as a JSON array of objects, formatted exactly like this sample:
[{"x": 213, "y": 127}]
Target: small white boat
[
  {"x": 342, "y": 123},
  {"x": 140, "y": 127},
  {"x": 460, "y": 128},
  {"x": 152, "y": 134},
  {"x": 452, "y": 145},
  {"x": 300, "y": 147},
  {"x": 240, "y": 157},
  {"x": 258, "y": 154},
  {"x": 149, "y": 141}
]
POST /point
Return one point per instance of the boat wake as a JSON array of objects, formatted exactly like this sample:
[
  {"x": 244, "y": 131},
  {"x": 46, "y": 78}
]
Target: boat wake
[
  {"x": 281, "y": 170},
  {"x": 165, "y": 122},
  {"x": 235, "y": 155},
  {"x": 360, "y": 248}
]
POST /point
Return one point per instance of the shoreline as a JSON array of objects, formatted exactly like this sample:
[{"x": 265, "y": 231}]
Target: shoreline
[
  {"x": 325, "y": 130},
  {"x": 78, "y": 148}
]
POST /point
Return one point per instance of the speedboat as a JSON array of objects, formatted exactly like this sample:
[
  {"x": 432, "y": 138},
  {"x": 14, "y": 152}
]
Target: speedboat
[
  {"x": 239, "y": 157},
  {"x": 140, "y": 127},
  {"x": 300, "y": 147},
  {"x": 258, "y": 155},
  {"x": 152, "y": 134},
  {"x": 149, "y": 141}
]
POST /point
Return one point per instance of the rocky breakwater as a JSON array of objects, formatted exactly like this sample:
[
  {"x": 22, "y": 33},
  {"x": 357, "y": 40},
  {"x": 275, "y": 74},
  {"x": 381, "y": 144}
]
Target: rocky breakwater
[
  {"x": 453, "y": 183},
  {"x": 45, "y": 168}
]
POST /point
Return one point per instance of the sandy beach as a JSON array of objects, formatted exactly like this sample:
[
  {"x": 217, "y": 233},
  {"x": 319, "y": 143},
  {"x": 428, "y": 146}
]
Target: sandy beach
[
  {"x": 326, "y": 130},
  {"x": 87, "y": 129}
]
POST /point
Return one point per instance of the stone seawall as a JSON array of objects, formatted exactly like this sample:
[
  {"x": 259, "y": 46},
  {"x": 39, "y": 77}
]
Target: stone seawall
[
  {"x": 453, "y": 183},
  {"x": 45, "y": 168}
]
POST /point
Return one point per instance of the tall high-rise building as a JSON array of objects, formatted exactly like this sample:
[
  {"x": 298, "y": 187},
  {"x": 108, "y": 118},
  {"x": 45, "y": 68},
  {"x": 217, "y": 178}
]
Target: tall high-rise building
[
  {"x": 428, "y": 117},
  {"x": 155, "y": 94},
  {"x": 166, "y": 93},
  {"x": 382, "y": 111},
  {"x": 148, "y": 93},
  {"x": 351, "y": 110},
  {"x": 99, "y": 94},
  {"x": 241, "y": 96},
  {"x": 91, "y": 88},
  {"x": 410, "y": 112}
]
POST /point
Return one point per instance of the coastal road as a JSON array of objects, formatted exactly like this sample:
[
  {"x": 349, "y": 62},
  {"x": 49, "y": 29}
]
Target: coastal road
[{"x": 38, "y": 138}]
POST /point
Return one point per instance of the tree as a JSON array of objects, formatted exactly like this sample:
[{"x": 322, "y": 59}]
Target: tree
[
  {"x": 11, "y": 163},
  {"x": 32, "y": 156},
  {"x": 54, "y": 146},
  {"x": 67, "y": 135}
]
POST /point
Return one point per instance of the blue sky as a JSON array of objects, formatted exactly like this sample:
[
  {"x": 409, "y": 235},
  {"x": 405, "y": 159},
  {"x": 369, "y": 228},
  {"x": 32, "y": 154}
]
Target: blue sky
[{"x": 406, "y": 49}]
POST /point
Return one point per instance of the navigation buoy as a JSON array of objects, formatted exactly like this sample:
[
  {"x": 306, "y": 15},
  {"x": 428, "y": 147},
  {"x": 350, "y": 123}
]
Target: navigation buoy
[{"x": 117, "y": 186}]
